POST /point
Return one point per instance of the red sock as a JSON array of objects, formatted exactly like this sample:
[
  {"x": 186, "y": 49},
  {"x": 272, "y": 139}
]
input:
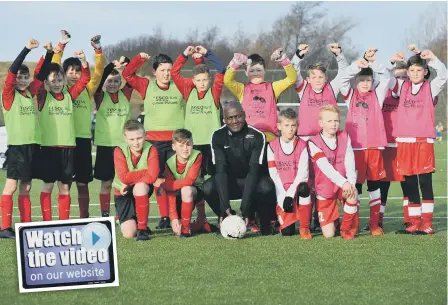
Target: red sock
[
  {"x": 200, "y": 208},
  {"x": 406, "y": 210},
  {"x": 427, "y": 211},
  {"x": 162, "y": 202},
  {"x": 64, "y": 206},
  {"x": 45, "y": 206},
  {"x": 6, "y": 211},
  {"x": 83, "y": 201},
  {"x": 375, "y": 205},
  {"x": 186, "y": 211},
  {"x": 305, "y": 210},
  {"x": 142, "y": 209},
  {"x": 350, "y": 210},
  {"x": 382, "y": 209},
  {"x": 25, "y": 208},
  {"x": 105, "y": 203}
]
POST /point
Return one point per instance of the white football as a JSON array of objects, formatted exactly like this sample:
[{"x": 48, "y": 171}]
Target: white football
[{"x": 233, "y": 227}]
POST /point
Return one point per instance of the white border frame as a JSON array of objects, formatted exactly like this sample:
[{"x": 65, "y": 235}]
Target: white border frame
[{"x": 85, "y": 221}]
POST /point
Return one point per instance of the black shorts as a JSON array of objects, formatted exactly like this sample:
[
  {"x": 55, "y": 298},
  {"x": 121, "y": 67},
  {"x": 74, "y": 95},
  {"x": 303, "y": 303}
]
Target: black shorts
[
  {"x": 198, "y": 196},
  {"x": 83, "y": 161},
  {"x": 165, "y": 151},
  {"x": 22, "y": 162},
  {"x": 125, "y": 205},
  {"x": 57, "y": 164},
  {"x": 207, "y": 167},
  {"x": 104, "y": 163}
]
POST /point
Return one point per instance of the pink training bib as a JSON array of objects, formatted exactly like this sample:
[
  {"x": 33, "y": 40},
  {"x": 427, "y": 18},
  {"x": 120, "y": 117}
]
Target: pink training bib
[
  {"x": 324, "y": 186},
  {"x": 415, "y": 117},
  {"x": 260, "y": 107},
  {"x": 287, "y": 165},
  {"x": 390, "y": 112},
  {"x": 365, "y": 124},
  {"x": 310, "y": 106}
]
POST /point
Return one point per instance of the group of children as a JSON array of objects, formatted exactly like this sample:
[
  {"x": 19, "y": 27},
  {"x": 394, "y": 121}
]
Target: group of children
[{"x": 389, "y": 136}]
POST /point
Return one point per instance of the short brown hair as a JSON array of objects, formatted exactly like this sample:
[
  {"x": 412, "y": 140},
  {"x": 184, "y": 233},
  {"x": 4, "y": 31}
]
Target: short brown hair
[
  {"x": 400, "y": 65},
  {"x": 317, "y": 66},
  {"x": 330, "y": 108},
  {"x": 182, "y": 136},
  {"x": 133, "y": 125},
  {"x": 287, "y": 113},
  {"x": 199, "y": 69}
]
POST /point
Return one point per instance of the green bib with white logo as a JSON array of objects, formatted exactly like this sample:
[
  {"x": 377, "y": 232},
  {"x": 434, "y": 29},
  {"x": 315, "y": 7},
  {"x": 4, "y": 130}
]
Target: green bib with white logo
[
  {"x": 82, "y": 110},
  {"x": 142, "y": 162},
  {"x": 164, "y": 109},
  {"x": 56, "y": 120},
  {"x": 110, "y": 120},
  {"x": 202, "y": 117},
  {"x": 172, "y": 165},
  {"x": 22, "y": 124}
]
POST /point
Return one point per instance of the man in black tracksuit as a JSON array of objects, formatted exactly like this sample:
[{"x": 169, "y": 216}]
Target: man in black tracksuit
[{"x": 238, "y": 153}]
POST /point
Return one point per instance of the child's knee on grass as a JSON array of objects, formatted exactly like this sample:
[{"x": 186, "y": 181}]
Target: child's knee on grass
[
  {"x": 140, "y": 189},
  {"x": 129, "y": 228},
  {"x": 329, "y": 230},
  {"x": 10, "y": 187},
  {"x": 187, "y": 193}
]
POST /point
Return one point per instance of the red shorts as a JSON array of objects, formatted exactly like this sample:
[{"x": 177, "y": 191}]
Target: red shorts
[
  {"x": 328, "y": 210},
  {"x": 390, "y": 165},
  {"x": 415, "y": 158},
  {"x": 287, "y": 219},
  {"x": 369, "y": 165}
]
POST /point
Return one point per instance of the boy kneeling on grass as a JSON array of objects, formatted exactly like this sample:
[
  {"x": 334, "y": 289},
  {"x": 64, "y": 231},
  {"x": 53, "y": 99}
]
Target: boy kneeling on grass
[
  {"x": 334, "y": 165},
  {"x": 136, "y": 169},
  {"x": 183, "y": 185}
]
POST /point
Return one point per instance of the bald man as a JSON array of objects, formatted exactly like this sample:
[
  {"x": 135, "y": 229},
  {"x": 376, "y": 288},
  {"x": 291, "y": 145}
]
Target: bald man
[{"x": 238, "y": 153}]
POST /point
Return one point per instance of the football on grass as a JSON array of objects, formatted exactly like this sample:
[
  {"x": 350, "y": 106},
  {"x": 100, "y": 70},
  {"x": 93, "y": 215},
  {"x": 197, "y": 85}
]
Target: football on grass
[{"x": 233, "y": 227}]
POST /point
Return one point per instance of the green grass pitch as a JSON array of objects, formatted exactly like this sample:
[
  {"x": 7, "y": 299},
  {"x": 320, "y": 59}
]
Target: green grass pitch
[{"x": 205, "y": 269}]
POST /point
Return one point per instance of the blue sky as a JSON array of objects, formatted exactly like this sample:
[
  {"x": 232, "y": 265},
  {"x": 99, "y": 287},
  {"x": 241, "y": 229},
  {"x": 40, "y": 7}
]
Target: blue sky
[{"x": 380, "y": 24}]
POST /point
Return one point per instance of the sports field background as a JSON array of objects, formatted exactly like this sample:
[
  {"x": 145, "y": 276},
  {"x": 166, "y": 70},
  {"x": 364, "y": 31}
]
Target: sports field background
[{"x": 207, "y": 269}]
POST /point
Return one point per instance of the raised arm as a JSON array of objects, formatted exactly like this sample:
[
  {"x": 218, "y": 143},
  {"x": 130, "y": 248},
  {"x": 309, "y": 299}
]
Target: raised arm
[
  {"x": 59, "y": 49},
  {"x": 218, "y": 82},
  {"x": 41, "y": 71},
  {"x": 439, "y": 81},
  {"x": 235, "y": 87},
  {"x": 185, "y": 85},
  {"x": 296, "y": 60},
  {"x": 381, "y": 73},
  {"x": 137, "y": 82},
  {"x": 348, "y": 74},
  {"x": 342, "y": 65},
  {"x": 99, "y": 65},
  {"x": 81, "y": 84},
  {"x": 10, "y": 82},
  {"x": 282, "y": 85}
]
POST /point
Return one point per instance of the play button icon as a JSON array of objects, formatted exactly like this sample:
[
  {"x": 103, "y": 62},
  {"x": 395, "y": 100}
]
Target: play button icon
[{"x": 96, "y": 236}]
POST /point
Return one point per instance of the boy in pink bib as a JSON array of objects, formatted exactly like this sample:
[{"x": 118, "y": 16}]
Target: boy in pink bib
[
  {"x": 258, "y": 97},
  {"x": 315, "y": 91},
  {"x": 288, "y": 168},
  {"x": 365, "y": 127},
  {"x": 335, "y": 175},
  {"x": 415, "y": 135}
]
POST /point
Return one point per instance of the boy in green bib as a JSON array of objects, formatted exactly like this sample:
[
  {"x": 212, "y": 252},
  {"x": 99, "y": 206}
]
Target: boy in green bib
[
  {"x": 82, "y": 111},
  {"x": 136, "y": 169},
  {"x": 58, "y": 142},
  {"x": 183, "y": 185},
  {"x": 113, "y": 110},
  {"x": 22, "y": 126}
]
